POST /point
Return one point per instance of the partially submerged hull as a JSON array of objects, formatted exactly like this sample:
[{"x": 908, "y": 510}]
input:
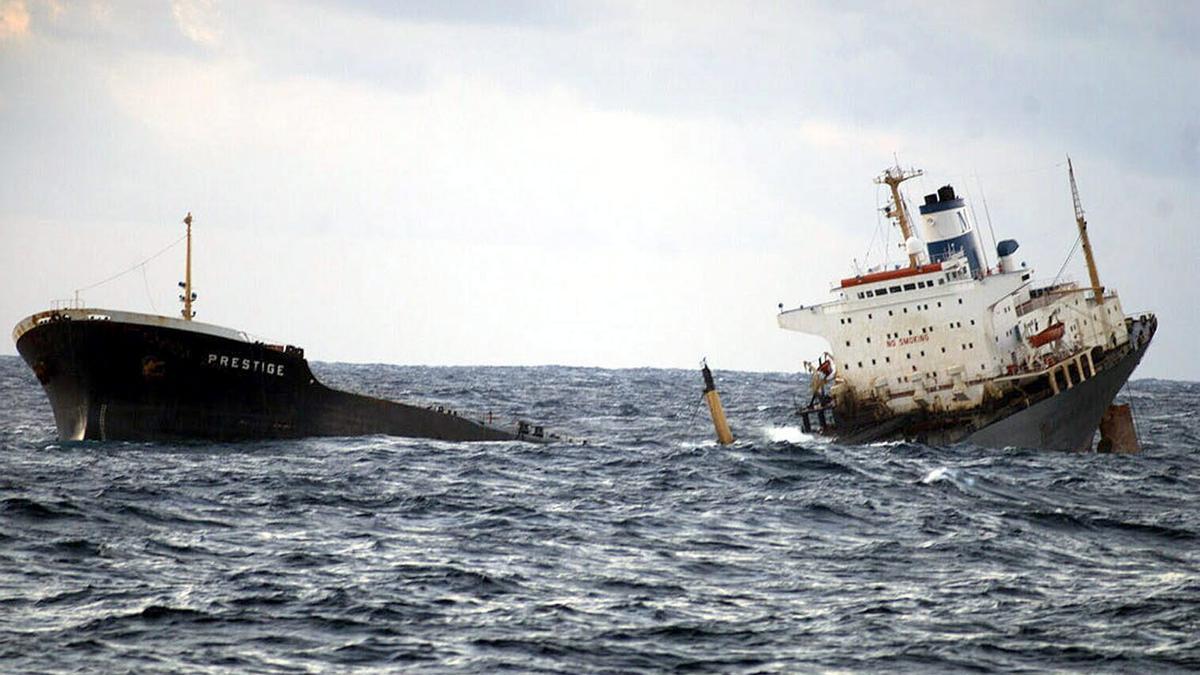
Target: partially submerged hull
[
  {"x": 1037, "y": 419},
  {"x": 126, "y": 376},
  {"x": 1066, "y": 421}
]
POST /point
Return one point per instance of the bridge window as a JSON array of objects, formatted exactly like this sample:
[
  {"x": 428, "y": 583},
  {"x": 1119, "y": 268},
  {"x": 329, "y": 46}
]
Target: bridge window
[{"x": 910, "y": 287}]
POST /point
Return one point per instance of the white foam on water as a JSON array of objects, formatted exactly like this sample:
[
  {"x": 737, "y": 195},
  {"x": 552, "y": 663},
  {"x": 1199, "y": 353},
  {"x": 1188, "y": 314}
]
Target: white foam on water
[
  {"x": 939, "y": 474},
  {"x": 945, "y": 473},
  {"x": 788, "y": 435}
]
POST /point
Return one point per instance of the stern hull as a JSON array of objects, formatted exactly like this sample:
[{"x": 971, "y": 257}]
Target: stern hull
[{"x": 1067, "y": 420}]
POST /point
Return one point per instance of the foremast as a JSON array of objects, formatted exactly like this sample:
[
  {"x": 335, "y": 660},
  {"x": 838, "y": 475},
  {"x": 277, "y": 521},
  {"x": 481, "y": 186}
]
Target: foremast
[{"x": 188, "y": 296}]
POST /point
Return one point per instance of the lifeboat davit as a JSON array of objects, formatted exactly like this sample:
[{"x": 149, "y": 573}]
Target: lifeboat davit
[{"x": 1052, "y": 333}]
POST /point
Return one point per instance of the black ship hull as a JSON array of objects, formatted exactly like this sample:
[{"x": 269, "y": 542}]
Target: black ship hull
[{"x": 156, "y": 379}]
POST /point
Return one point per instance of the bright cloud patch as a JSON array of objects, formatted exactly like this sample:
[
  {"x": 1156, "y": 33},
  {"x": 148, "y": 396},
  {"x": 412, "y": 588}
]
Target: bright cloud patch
[
  {"x": 14, "y": 19},
  {"x": 198, "y": 21}
]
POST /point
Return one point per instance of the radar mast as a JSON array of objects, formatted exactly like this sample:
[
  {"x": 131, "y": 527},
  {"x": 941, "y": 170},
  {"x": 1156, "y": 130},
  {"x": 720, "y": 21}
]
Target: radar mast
[{"x": 893, "y": 177}]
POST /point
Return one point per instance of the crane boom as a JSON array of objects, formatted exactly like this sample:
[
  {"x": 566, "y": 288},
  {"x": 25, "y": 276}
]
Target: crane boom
[{"x": 1094, "y": 276}]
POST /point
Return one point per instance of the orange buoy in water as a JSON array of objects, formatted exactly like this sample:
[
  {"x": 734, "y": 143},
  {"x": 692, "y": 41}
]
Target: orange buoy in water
[{"x": 724, "y": 435}]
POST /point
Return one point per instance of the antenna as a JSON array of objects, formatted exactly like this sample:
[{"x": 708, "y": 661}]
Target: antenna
[
  {"x": 893, "y": 177},
  {"x": 1097, "y": 289},
  {"x": 987, "y": 266},
  {"x": 986, "y": 212}
]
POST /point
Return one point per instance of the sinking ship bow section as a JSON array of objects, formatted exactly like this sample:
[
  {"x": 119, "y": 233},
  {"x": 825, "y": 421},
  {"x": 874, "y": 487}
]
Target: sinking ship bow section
[
  {"x": 124, "y": 375},
  {"x": 129, "y": 376}
]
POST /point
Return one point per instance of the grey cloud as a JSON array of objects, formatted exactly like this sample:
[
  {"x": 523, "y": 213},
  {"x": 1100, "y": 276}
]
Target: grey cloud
[
  {"x": 961, "y": 88},
  {"x": 541, "y": 13}
]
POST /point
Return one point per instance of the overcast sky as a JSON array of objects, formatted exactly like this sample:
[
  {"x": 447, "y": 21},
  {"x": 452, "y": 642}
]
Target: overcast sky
[{"x": 600, "y": 184}]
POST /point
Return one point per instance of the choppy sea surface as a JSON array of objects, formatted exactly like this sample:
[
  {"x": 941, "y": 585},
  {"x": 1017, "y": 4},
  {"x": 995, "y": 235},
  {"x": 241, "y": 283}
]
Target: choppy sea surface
[{"x": 650, "y": 548}]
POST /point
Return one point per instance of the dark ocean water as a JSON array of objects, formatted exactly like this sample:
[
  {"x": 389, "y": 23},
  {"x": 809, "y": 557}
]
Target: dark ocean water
[{"x": 649, "y": 549}]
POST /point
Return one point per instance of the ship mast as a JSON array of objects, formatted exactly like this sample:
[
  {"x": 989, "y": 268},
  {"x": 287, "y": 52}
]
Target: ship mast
[
  {"x": 188, "y": 296},
  {"x": 1097, "y": 289},
  {"x": 893, "y": 177}
]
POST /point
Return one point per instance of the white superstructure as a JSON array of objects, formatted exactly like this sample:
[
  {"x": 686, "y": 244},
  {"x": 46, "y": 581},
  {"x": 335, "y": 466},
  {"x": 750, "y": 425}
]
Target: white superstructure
[{"x": 948, "y": 331}]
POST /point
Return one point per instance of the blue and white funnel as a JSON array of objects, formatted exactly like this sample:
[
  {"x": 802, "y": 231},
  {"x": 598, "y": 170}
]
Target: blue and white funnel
[{"x": 948, "y": 228}]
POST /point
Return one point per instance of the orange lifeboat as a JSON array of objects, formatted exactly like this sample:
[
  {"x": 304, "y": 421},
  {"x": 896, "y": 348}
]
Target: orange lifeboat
[
  {"x": 1052, "y": 333},
  {"x": 888, "y": 275}
]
